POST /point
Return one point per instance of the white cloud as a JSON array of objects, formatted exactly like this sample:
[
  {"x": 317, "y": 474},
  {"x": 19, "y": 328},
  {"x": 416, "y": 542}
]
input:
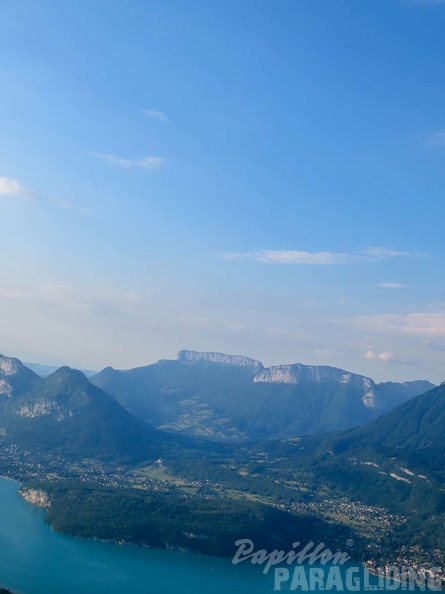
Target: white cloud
[
  {"x": 436, "y": 139},
  {"x": 413, "y": 324},
  {"x": 374, "y": 254},
  {"x": 159, "y": 116},
  {"x": 142, "y": 163},
  {"x": 392, "y": 286},
  {"x": 385, "y": 356},
  {"x": 388, "y": 357},
  {"x": 11, "y": 187},
  {"x": 323, "y": 353},
  {"x": 12, "y": 294},
  {"x": 292, "y": 257},
  {"x": 210, "y": 324},
  {"x": 63, "y": 204},
  {"x": 70, "y": 299},
  {"x": 68, "y": 206},
  {"x": 383, "y": 253},
  {"x": 303, "y": 257}
]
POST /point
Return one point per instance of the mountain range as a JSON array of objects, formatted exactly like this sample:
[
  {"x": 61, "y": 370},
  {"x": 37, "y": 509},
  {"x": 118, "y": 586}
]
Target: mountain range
[
  {"x": 397, "y": 461},
  {"x": 45, "y": 370},
  {"x": 227, "y": 397},
  {"x": 386, "y": 451},
  {"x": 138, "y": 414},
  {"x": 64, "y": 414}
]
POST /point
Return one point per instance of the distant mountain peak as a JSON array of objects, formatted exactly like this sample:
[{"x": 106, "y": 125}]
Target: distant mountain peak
[
  {"x": 220, "y": 396},
  {"x": 14, "y": 376},
  {"x": 9, "y": 366},
  {"x": 46, "y": 370},
  {"x": 66, "y": 414},
  {"x": 66, "y": 377},
  {"x": 185, "y": 356}
]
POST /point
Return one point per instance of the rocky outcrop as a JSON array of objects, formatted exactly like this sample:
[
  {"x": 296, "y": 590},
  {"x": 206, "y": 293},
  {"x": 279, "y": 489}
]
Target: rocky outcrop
[
  {"x": 368, "y": 397},
  {"x": 15, "y": 378},
  {"x": 5, "y": 388},
  {"x": 195, "y": 356},
  {"x": 36, "y": 496},
  {"x": 299, "y": 373},
  {"x": 9, "y": 366},
  {"x": 296, "y": 373},
  {"x": 37, "y": 408},
  {"x": 373, "y": 396}
]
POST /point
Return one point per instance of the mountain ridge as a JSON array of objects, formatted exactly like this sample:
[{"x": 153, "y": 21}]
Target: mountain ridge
[
  {"x": 235, "y": 397},
  {"x": 14, "y": 376},
  {"x": 43, "y": 370},
  {"x": 186, "y": 356},
  {"x": 64, "y": 414}
]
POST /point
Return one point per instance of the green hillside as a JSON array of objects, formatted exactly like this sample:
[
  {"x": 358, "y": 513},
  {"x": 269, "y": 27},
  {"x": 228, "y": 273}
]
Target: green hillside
[
  {"x": 65, "y": 415},
  {"x": 206, "y": 525}
]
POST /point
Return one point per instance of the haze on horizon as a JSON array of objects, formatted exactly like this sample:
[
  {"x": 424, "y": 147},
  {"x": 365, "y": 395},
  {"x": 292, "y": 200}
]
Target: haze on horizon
[{"x": 259, "y": 178}]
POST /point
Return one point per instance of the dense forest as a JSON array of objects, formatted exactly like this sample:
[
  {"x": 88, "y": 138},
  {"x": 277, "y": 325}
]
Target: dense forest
[{"x": 207, "y": 525}]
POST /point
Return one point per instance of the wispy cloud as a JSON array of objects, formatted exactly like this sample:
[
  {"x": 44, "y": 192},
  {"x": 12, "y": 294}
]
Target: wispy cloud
[
  {"x": 68, "y": 298},
  {"x": 299, "y": 257},
  {"x": 392, "y": 286},
  {"x": 436, "y": 139},
  {"x": 383, "y": 253},
  {"x": 323, "y": 353},
  {"x": 426, "y": 324},
  {"x": 11, "y": 187},
  {"x": 210, "y": 324},
  {"x": 153, "y": 163},
  {"x": 64, "y": 205},
  {"x": 154, "y": 114},
  {"x": 292, "y": 257}
]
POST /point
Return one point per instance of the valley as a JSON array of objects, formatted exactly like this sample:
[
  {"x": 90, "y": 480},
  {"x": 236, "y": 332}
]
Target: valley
[
  {"x": 85, "y": 454},
  {"x": 232, "y": 397}
]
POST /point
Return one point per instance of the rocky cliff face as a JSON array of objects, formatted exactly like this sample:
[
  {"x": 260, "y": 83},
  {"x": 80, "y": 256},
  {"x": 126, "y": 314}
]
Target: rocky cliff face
[
  {"x": 373, "y": 396},
  {"x": 195, "y": 356},
  {"x": 289, "y": 374},
  {"x": 368, "y": 397},
  {"x": 293, "y": 374},
  {"x": 37, "y": 408},
  {"x": 235, "y": 397},
  {"x": 36, "y": 496},
  {"x": 14, "y": 376},
  {"x": 298, "y": 373},
  {"x": 8, "y": 366},
  {"x": 5, "y": 388}
]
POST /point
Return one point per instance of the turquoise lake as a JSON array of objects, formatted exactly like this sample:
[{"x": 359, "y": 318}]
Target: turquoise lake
[{"x": 36, "y": 560}]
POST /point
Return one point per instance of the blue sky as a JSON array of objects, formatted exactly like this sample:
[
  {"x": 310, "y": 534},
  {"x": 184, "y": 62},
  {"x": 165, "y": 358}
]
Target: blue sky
[{"x": 254, "y": 177}]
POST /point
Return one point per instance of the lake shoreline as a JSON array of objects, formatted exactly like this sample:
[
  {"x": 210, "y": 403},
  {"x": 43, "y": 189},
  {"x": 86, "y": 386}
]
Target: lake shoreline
[
  {"x": 44, "y": 561},
  {"x": 23, "y": 492},
  {"x": 38, "y": 560}
]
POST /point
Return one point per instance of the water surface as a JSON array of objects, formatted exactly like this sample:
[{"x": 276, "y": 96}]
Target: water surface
[{"x": 36, "y": 560}]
